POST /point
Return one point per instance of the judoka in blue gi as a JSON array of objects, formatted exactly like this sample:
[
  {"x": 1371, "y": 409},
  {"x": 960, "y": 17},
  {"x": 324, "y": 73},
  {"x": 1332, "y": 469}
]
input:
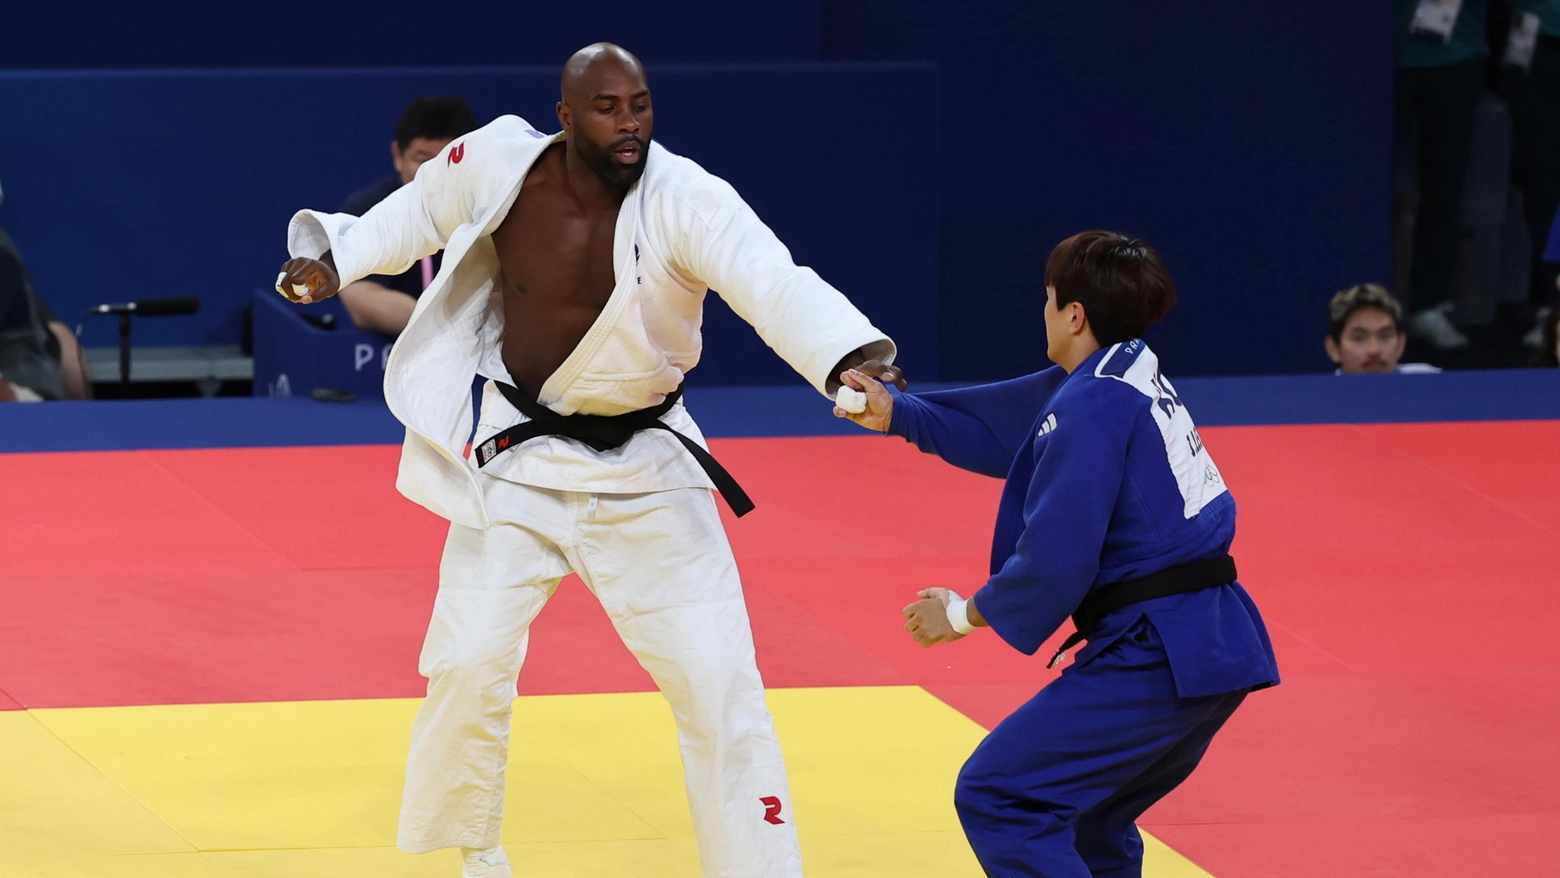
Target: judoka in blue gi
[{"x": 1115, "y": 514}]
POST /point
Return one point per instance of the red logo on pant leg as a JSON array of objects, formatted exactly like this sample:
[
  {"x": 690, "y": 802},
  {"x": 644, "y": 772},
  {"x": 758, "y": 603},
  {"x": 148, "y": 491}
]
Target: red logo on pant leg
[
  {"x": 772, "y": 810},
  {"x": 456, "y": 154}
]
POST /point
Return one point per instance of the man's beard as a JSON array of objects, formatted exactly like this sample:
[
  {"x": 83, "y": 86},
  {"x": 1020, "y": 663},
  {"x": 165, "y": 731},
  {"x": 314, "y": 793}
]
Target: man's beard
[{"x": 599, "y": 159}]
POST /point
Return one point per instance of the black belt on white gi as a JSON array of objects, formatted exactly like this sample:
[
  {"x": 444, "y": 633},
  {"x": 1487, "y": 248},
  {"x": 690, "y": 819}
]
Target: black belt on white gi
[
  {"x": 1101, "y": 602},
  {"x": 603, "y": 433}
]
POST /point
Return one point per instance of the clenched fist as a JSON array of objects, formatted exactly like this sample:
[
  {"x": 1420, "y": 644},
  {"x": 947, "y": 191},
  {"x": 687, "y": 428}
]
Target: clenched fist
[
  {"x": 315, "y": 278},
  {"x": 927, "y": 618},
  {"x": 880, "y": 403}
]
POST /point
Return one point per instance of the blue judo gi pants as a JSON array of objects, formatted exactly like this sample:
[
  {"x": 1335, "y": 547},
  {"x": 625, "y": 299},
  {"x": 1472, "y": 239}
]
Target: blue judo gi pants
[{"x": 1055, "y": 789}]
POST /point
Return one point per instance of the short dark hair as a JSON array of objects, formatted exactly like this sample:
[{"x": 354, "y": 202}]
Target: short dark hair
[
  {"x": 1357, "y": 298},
  {"x": 1120, "y": 281},
  {"x": 436, "y": 118}
]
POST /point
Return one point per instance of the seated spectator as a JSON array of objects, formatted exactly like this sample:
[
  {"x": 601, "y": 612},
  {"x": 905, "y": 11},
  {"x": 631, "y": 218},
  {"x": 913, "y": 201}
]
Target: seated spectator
[
  {"x": 39, "y": 356},
  {"x": 1549, "y": 347},
  {"x": 382, "y": 303},
  {"x": 1365, "y": 332}
]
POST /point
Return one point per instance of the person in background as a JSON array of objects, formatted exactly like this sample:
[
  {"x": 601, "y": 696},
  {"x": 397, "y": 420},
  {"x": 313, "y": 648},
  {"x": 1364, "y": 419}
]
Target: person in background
[
  {"x": 384, "y": 303},
  {"x": 1550, "y": 260},
  {"x": 1535, "y": 161},
  {"x": 1440, "y": 72},
  {"x": 39, "y": 356},
  {"x": 1365, "y": 332}
]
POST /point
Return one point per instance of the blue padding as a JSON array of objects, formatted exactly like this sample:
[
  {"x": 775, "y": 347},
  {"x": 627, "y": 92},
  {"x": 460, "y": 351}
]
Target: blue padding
[
  {"x": 1514, "y": 395},
  {"x": 194, "y": 423},
  {"x": 294, "y": 357},
  {"x": 775, "y": 411},
  {"x": 1496, "y": 395}
]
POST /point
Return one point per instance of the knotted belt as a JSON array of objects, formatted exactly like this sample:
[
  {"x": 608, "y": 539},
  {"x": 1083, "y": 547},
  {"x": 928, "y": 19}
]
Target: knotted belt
[
  {"x": 604, "y": 433},
  {"x": 1101, "y": 602}
]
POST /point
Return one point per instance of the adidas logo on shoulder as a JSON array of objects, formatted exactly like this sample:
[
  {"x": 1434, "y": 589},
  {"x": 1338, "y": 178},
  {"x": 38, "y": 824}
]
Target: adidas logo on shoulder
[{"x": 1048, "y": 424}]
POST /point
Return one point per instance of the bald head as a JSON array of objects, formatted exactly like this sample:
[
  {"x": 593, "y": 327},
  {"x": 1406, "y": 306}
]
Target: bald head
[
  {"x": 606, "y": 113},
  {"x": 585, "y": 69}
]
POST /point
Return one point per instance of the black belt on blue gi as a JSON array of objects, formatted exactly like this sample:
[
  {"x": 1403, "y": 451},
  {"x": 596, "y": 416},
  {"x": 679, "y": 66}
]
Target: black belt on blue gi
[
  {"x": 603, "y": 433},
  {"x": 1101, "y": 602}
]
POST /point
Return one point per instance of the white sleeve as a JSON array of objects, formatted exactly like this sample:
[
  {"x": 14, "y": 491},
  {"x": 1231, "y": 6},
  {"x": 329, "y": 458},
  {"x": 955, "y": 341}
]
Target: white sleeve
[
  {"x": 810, "y": 324},
  {"x": 416, "y": 220}
]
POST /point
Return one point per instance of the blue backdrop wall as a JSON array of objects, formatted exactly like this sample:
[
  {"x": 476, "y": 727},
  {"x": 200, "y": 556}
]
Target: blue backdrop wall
[
  {"x": 395, "y": 33},
  {"x": 1250, "y": 142}
]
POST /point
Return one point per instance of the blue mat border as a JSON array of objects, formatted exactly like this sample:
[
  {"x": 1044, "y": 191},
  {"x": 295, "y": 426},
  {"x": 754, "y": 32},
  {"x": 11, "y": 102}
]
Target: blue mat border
[{"x": 1523, "y": 394}]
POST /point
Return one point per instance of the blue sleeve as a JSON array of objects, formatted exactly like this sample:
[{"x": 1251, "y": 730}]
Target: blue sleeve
[
  {"x": 975, "y": 428},
  {"x": 1067, "y": 512}
]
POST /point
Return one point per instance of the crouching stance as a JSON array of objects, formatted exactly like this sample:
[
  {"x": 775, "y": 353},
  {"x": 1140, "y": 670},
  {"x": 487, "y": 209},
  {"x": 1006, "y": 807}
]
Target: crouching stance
[{"x": 1114, "y": 514}]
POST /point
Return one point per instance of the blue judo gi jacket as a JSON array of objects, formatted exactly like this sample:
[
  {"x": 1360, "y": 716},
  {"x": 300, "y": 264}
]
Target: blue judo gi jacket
[{"x": 1107, "y": 480}]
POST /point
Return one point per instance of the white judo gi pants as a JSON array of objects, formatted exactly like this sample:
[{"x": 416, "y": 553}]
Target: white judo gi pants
[{"x": 663, "y": 570}]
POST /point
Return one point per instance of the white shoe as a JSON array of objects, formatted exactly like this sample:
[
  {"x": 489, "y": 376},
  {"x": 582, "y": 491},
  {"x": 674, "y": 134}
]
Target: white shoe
[
  {"x": 1435, "y": 326},
  {"x": 1535, "y": 337},
  {"x": 484, "y": 863}
]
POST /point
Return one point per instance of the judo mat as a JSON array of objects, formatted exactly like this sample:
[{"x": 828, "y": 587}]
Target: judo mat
[{"x": 208, "y": 665}]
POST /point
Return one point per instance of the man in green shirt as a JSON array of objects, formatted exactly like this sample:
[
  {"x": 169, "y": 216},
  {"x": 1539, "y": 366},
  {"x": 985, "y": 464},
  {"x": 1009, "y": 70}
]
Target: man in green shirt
[{"x": 1441, "y": 45}]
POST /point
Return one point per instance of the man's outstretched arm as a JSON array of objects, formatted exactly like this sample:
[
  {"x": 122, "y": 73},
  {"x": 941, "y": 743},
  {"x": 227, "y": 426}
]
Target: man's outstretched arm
[
  {"x": 810, "y": 324},
  {"x": 332, "y": 250}
]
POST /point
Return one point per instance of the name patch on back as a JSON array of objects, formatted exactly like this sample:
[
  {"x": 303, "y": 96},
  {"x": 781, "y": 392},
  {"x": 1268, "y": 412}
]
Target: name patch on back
[{"x": 1195, "y": 473}]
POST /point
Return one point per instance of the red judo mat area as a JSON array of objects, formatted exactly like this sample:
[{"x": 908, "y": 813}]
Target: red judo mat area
[{"x": 1407, "y": 573}]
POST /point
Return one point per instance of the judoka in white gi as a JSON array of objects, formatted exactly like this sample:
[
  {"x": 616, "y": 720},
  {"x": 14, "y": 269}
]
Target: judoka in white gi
[{"x": 575, "y": 269}]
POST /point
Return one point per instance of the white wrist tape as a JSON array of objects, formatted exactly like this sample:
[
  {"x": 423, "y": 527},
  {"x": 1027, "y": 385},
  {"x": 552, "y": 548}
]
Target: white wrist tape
[
  {"x": 959, "y": 614},
  {"x": 297, "y": 289},
  {"x": 851, "y": 400}
]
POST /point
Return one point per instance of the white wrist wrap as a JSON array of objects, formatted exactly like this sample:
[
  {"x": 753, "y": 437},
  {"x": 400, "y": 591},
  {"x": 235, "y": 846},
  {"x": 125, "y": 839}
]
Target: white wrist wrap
[
  {"x": 851, "y": 400},
  {"x": 959, "y": 614}
]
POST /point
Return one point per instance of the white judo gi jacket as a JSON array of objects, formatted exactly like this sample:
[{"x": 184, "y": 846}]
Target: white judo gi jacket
[{"x": 681, "y": 231}]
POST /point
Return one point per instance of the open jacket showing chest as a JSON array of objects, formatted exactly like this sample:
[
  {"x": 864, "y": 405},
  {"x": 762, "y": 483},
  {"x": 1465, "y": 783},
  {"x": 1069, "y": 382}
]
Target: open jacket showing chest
[{"x": 680, "y": 232}]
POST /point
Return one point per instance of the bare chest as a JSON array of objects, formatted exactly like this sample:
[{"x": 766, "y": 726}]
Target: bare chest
[
  {"x": 556, "y": 275},
  {"x": 550, "y": 252}
]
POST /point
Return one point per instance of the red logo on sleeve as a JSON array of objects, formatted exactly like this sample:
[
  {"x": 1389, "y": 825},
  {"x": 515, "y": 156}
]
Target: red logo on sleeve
[
  {"x": 456, "y": 154},
  {"x": 772, "y": 810}
]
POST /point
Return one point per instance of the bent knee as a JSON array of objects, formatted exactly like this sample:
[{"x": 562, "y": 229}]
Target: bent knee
[
  {"x": 471, "y": 668},
  {"x": 977, "y": 787},
  {"x": 987, "y": 787}
]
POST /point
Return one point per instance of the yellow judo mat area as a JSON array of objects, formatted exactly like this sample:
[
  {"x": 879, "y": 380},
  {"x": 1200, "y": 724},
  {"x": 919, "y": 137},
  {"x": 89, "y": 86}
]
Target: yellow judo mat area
[{"x": 311, "y": 789}]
